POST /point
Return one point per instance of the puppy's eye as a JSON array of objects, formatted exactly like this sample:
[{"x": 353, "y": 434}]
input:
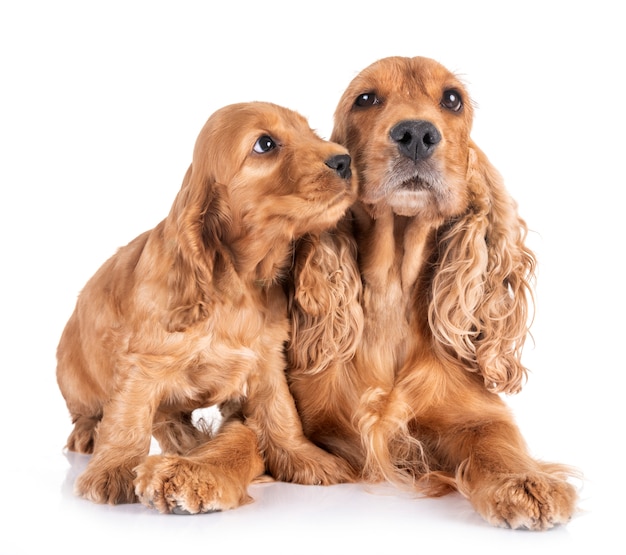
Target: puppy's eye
[
  {"x": 366, "y": 99},
  {"x": 451, "y": 100},
  {"x": 263, "y": 144}
]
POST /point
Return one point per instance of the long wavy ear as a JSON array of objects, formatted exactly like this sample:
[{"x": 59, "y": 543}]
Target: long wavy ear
[
  {"x": 194, "y": 229},
  {"x": 482, "y": 289},
  {"x": 325, "y": 300}
]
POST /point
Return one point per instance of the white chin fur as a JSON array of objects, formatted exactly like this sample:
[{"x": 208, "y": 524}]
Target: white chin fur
[{"x": 409, "y": 203}]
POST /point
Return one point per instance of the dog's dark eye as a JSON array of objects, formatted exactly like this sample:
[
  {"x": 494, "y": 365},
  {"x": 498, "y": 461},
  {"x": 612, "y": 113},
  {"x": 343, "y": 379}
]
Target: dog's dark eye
[
  {"x": 263, "y": 144},
  {"x": 366, "y": 99},
  {"x": 451, "y": 100}
]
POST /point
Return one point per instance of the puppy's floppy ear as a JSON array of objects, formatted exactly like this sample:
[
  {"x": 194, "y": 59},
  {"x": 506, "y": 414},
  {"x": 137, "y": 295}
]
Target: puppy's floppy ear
[
  {"x": 325, "y": 302},
  {"x": 194, "y": 230},
  {"x": 482, "y": 288}
]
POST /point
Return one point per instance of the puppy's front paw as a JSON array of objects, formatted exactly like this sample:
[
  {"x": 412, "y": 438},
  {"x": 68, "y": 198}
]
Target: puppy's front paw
[
  {"x": 104, "y": 484},
  {"x": 532, "y": 501},
  {"x": 173, "y": 484}
]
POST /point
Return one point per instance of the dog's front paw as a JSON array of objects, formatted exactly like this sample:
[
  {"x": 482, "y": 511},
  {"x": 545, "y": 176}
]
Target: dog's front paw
[
  {"x": 106, "y": 484},
  {"x": 535, "y": 501},
  {"x": 173, "y": 484},
  {"x": 310, "y": 465}
]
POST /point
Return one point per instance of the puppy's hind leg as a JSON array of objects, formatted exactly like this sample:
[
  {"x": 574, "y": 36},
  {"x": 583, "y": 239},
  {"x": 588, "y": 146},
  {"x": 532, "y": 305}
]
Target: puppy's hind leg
[
  {"x": 83, "y": 437},
  {"x": 83, "y": 396}
]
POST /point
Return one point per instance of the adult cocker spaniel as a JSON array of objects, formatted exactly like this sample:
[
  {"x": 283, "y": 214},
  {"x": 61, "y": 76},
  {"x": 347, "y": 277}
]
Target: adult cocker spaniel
[
  {"x": 409, "y": 320},
  {"x": 193, "y": 313}
]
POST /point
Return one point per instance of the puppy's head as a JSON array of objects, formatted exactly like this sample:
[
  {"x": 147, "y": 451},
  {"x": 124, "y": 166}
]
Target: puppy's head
[
  {"x": 407, "y": 122},
  {"x": 259, "y": 178},
  {"x": 273, "y": 170}
]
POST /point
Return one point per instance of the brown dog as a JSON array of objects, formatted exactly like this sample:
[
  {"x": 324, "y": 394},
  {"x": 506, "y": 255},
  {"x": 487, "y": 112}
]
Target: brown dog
[
  {"x": 193, "y": 313},
  {"x": 436, "y": 303}
]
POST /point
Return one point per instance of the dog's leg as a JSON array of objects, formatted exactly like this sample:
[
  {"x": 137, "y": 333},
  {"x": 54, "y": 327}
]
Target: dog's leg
[
  {"x": 270, "y": 412},
  {"x": 213, "y": 477},
  {"x": 83, "y": 395},
  {"x": 83, "y": 437},
  {"x": 473, "y": 439},
  {"x": 123, "y": 440},
  {"x": 507, "y": 486}
]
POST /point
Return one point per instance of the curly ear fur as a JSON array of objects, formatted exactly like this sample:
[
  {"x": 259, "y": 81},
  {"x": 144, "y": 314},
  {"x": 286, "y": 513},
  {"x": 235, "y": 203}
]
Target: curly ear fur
[
  {"x": 482, "y": 296},
  {"x": 325, "y": 307},
  {"x": 194, "y": 229}
]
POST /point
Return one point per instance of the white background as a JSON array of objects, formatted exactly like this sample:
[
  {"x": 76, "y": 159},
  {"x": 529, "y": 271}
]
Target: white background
[{"x": 100, "y": 105}]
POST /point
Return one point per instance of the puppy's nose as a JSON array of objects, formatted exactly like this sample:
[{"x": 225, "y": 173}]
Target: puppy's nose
[
  {"x": 341, "y": 164},
  {"x": 416, "y": 139}
]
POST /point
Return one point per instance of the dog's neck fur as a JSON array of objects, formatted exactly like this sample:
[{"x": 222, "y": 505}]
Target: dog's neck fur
[
  {"x": 392, "y": 249},
  {"x": 393, "y": 255}
]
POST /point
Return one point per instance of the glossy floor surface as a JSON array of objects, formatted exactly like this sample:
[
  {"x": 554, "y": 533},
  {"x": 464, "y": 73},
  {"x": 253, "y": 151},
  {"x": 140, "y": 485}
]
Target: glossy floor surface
[{"x": 41, "y": 511}]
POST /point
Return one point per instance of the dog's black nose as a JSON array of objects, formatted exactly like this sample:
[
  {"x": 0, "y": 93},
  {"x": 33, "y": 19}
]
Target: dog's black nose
[
  {"x": 416, "y": 139},
  {"x": 341, "y": 164}
]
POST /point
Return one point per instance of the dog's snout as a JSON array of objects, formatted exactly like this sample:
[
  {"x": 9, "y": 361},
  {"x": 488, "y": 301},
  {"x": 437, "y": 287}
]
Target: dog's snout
[
  {"x": 416, "y": 139},
  {"x": 341, "y": 164}
]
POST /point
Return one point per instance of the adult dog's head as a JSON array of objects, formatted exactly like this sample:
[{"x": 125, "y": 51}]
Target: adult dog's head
[
  {"x": 406, "y": 122},
  {"x": 259, "y": 178}
]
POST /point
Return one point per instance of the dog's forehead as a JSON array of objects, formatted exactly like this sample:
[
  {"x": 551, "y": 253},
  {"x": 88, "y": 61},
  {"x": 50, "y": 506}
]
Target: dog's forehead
[
  {"x": 236, "y": 121},
  {"x": 409, "y": 77},
  {"x": 282, "y": 123},
  {"x": 235, "y": 128}
]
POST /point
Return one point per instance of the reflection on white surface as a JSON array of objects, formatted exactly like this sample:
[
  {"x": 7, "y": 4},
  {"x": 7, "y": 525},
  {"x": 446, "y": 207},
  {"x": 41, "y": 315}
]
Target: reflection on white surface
[{"x": 284, "y": 518}]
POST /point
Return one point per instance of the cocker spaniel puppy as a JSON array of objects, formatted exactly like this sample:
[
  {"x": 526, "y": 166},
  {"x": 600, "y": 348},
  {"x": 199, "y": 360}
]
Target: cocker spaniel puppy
[
  {"x": 409, "y": 320},
  {"x": 193, "y": 313}
]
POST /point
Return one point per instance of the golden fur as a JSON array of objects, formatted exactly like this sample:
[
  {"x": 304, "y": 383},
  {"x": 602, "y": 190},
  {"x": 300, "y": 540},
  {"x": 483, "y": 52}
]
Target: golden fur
[
  {"x": 432, "y": 278},
  {"x": 194, "y": 313}
]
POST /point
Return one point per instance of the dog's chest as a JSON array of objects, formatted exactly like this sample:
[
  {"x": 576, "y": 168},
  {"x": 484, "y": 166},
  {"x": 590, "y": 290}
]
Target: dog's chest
[
  {"x": 238, "y": 340},
  {"x": 387, "y": 327},
  {"x": 214, "y": 360}
]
